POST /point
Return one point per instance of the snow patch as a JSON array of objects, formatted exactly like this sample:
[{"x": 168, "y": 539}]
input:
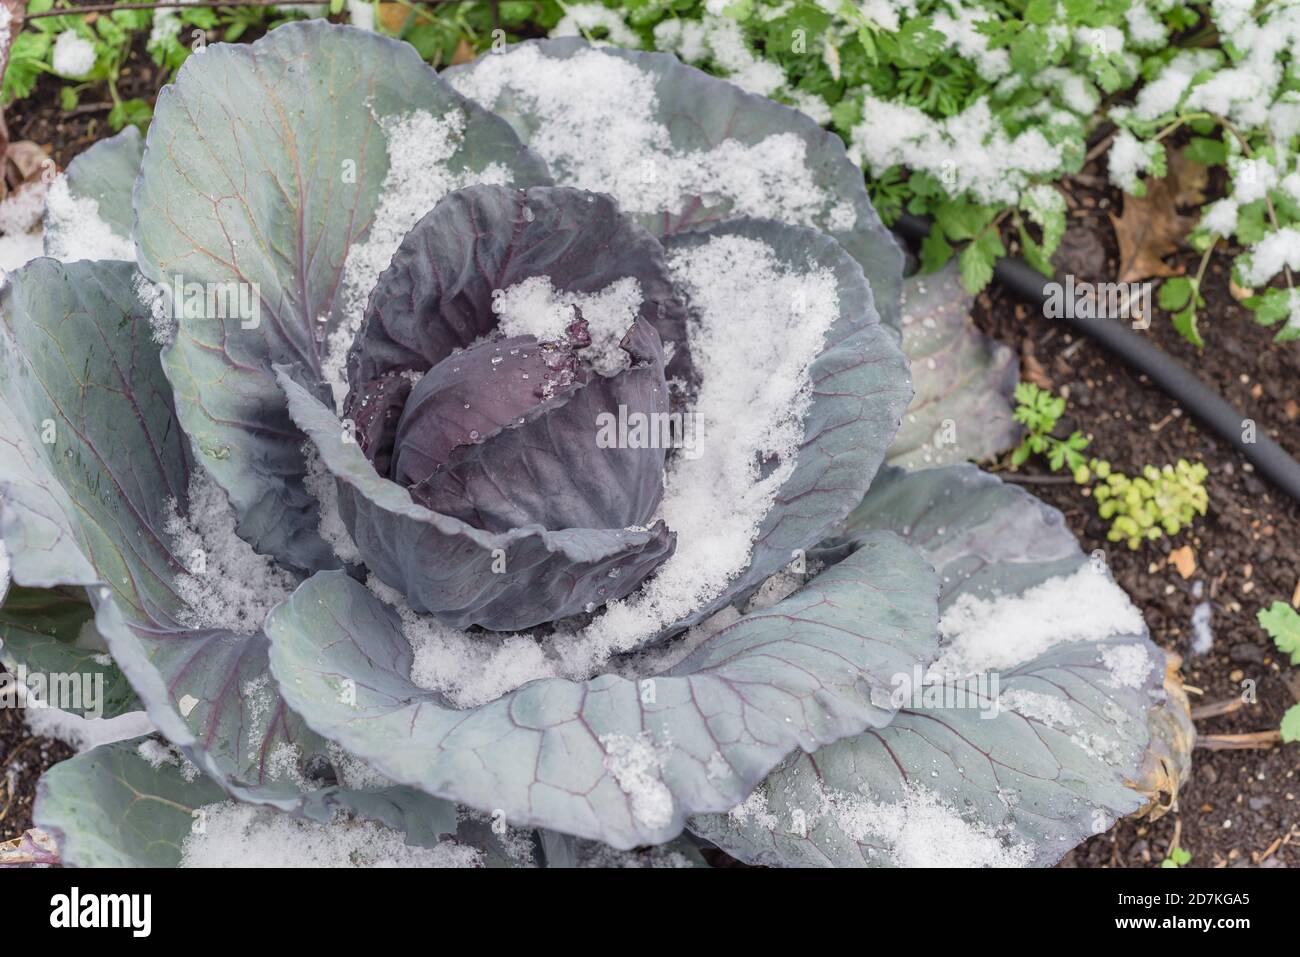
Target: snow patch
[
  {"x": 597, "y": 129},
  {"x": 160, "y": 753},
  {"x": 323, "y": 487},
  {"x": 1202, "y": 627},
  {"x": 969, "y": 152},
  {"x": 242, "y": 835},
  {"x": 18, "y": 250},
  {"x": 923, "y": 831},
  {"x": 1128, "y": 665},
  {"x": 533, "y": 307},
  {"x": 994, "y": 634},
  {"x": 637, "y": 764},
  {"x": 580, "y": 19},
  {"x": 74, "y": 55},
  {"x": 227, "y": 584},
  {"x": 756, "y": 810},
  {"x": 75, "y": 230}
]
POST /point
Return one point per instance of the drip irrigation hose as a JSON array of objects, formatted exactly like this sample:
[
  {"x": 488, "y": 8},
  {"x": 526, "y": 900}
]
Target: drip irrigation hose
[{"x": 1027, "y": 283}]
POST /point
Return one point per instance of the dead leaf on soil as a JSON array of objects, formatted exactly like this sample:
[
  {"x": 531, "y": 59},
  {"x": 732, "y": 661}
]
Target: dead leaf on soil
[
  {"x": 31, "y": 848},
  {"x": 1184, "y": 559},
  {"x": 1239, "y": 293},
  {"x": 1149, "y": 229},
  {"x": 1190, "y": 179},
  {"x": 463, "y": 54},
  {"x": 1031, "y": 370},
  {"x": 1168, "y": 757},
  {"x": 393, "y": 16}
]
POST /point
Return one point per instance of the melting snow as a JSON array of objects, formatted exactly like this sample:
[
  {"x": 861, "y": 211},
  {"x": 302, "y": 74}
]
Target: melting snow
[
  {"x": 159, "y": 753},
  {"x": 598, "y": 129},
  {"x": 636, "y": 764},
  {"x": 922, "y": 831},
  {"x": 536, "y": 308},
  {"x": 595, "y": 854},
  {"x": 74, "y": 55},
  {"x": 157, "y": 305},
  {"x": 755, "y": 809},
  {"x": 993, "y": 634},
  {"x": 227, "y": 585},
  {"x": 1046, "y": 708},
  {"x": 322, "y": 486},
  {"x": 354, "y": 773},
  {"x": 242, "y": 835},
  {"x": 1129, "y": 665},
  {"x": 75, "y": 230},
  {"x": 1202, "y": 622}
]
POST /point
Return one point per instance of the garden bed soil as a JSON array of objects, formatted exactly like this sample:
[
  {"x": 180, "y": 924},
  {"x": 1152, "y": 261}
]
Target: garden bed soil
[{"x": 1239, "y": 807}]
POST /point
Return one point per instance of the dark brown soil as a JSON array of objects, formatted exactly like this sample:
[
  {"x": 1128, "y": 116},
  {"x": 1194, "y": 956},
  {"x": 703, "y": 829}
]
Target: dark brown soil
[
  {"x": 65, "y": 133},
  {"x": 1239, "y": 808},
  {"x": 23, "y": 759}
]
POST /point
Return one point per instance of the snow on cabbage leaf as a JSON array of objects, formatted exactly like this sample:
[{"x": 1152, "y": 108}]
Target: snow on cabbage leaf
[{"x": 516, "y": 481}]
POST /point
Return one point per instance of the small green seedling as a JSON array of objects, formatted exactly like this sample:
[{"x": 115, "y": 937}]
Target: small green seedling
[
  {"x": 1178, "y": 857},
  {"x": 1282, "y": 623},
  {"x": 1039, "y": 411},
  {"x": 1162, "y": 501},
  {"x": 1283, "y": 626}
]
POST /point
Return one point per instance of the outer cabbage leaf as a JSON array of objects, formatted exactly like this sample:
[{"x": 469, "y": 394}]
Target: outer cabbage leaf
[
  {"x": 712, "y": 150},
  {"x": 949, "y": 785},
  {"x": 121, "y": 806},
  {"x": 111, "y": 807},
  {"x": 860, "y": 387},
  {"x": 90, "y": 507},
  {"x": 465, "y": 576},
  {"x": 612, "y": 759},
  {"x": 263, "y": 166},
  {"x": 963, "y": 379},
  {"x": 42, "y": 629},
  {"x": 104, "y": 173}
]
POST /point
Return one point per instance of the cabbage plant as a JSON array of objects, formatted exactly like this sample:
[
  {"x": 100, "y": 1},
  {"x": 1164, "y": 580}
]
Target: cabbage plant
[{"x": 495, "y": 467}]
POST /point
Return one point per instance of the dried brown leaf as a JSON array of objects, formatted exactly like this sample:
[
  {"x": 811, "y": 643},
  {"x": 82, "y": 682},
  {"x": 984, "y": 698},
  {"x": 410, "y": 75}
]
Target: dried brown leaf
[
  {"x": 1190, "y": 179},
  {"x": 463, "y": 53},
  {"x": 1168, "y": 758},
  {"x": 1149, "y": 228}
]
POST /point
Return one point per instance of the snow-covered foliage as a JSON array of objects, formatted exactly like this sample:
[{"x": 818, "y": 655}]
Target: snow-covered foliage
[
  {"x": 1240, "y": 106},
  {"x": 550, "y": 509}
]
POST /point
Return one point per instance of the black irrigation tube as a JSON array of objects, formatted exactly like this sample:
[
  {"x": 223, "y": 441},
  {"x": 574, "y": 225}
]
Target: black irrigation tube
[{"x": 1027, "y": 283}]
